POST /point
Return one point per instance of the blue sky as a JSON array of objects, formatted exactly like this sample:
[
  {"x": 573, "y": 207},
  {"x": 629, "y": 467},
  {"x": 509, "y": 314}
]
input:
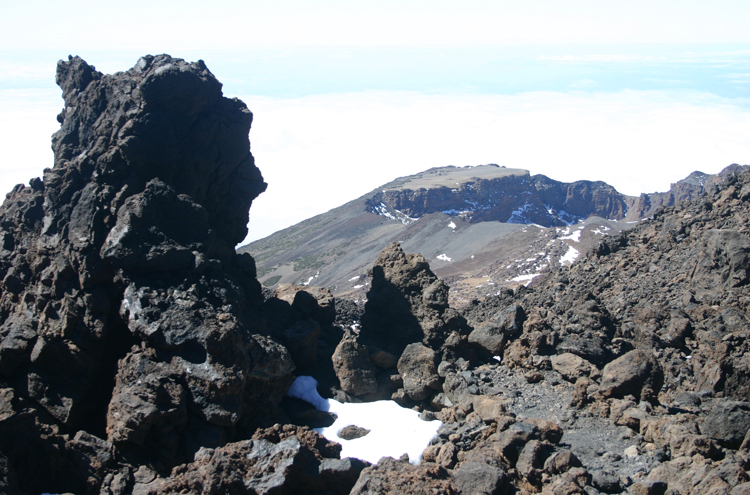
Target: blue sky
[{"x": 349, "y": 95}]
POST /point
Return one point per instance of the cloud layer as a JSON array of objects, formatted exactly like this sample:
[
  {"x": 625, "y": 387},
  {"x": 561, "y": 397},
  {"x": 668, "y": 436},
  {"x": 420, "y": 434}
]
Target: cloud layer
[{"x": 318, "y": 152}]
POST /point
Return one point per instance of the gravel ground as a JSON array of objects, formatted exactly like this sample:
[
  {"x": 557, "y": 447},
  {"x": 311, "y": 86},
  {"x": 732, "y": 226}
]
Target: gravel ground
[{"x": 614, "y": 455}]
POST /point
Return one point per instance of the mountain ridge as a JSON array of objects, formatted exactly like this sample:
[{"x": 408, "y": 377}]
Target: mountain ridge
[{"x": 472, "y": 223}]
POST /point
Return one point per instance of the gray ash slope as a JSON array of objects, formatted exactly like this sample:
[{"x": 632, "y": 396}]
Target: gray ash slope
[{"x": 481, "y": 228}]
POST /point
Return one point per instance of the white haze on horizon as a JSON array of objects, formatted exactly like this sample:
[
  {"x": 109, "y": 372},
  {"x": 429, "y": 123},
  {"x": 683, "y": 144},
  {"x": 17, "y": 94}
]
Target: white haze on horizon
[{"x": 318, "y": 152}]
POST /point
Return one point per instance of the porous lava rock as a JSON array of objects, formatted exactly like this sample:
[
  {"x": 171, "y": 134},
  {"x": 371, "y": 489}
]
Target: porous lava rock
[
  {"x": 407, "y": 303},
  {"x": 417, "y": 368},
  {"x": 125, "y": 313},
  {"x": 636, "y": 373},
  {"x": 398, "y": 476},
  {"x": 353, "y": 367},
  {"x": 262, "y": 467}
]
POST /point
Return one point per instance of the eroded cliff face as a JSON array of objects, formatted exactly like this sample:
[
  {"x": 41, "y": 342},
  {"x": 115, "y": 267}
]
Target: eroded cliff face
[
  {"x": 527, "y": 199},
  {"x": 511, "y": 199},
  {"x": 125, "y": 311}
]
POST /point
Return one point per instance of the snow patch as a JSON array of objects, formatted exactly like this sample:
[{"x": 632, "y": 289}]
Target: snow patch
[
  {"x": 575, "y": 236},
  {"x": 518, "y": 215},
  {"x": 444, "y": 257},
  {"x": 394, "y": 430},
  {"x": 399, "y": 216},
  {"x": 525, "y": 278},
  {"x": 452, "y": 225},
  {"x": 570, "y": 256}
]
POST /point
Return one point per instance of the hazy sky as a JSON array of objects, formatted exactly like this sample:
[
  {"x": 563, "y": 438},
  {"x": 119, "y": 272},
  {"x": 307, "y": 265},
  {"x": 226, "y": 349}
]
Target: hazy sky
[{"x": 349, "y": 95}]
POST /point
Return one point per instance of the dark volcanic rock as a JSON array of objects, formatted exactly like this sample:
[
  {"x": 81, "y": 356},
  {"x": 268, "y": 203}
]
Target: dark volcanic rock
[
  {"x": 493, "y": 335},
  {"x": 398, "y": 476},
  {"x": 124, "y": 310},
  {"x": 417, "y": 368},
  {"x": 728, "y": 422},
  {"x": 259, "y": 466},
  {"x": 407, "y": 303},
  {"x": 353, "y": 367},
  {"x": 636, "y": 373},
  {"x": 479, "y": 478}
]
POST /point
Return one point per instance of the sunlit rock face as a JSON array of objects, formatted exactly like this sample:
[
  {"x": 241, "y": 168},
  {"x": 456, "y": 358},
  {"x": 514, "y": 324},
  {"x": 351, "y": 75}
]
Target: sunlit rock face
[{"x": 124, "y": 308}]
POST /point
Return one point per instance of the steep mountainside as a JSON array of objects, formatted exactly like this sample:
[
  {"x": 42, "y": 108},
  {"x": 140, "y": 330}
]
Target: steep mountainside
[{"x": 481, "y": 228}]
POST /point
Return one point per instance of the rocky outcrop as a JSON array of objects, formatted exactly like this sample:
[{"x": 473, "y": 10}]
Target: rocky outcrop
[
  {"x": 139, "y": 355},
  {"x": 407, "y": 324},
  {"x": 126, "y": 316},
  {"x": 688, "y": 189},
  {"x": 511, "y": 198},
  {"x": 407, "y": 303},
  {"x": 276, "y": 461}
]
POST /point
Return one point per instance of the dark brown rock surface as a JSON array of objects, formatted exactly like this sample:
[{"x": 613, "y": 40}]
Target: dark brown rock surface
[{"x": 124, "y": 311}]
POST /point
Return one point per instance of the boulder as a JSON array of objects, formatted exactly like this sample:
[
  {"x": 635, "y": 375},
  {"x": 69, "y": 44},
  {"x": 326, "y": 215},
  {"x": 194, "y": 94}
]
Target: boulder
[
  {"x": 571, "y": 366},
  {"x": 353, "y": 367},
  {"x": 417, "y": 368},
  {"x": 532, "y": 458},
  {"x": 560, "y": 462},
  {"x": 262, "y": 467},
  {"x": 491, "y": 336},
  {"x": 407, "y": 303},
  {"x": 728, "y": 422},
  {"x": 636, "y": 373},
  {"x": 312, "y": 302},
  {"x": 301, "y": 339},
  {"x": 489, "y": 408},
  {"x": 479, "y": 478},
  {"x": 398, "y": 476}
]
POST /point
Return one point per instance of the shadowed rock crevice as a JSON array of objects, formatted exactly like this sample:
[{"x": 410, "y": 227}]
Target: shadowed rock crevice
[{"x": 119, "y": 340}]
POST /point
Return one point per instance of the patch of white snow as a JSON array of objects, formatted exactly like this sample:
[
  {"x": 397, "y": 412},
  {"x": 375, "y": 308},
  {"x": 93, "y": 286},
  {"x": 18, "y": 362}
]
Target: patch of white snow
[
  {"x": 394, "y": 430},
  {"x": 575, "y": 236},
  {"x": 570, "y": 256},
  {"x": 525, "y": 278}
]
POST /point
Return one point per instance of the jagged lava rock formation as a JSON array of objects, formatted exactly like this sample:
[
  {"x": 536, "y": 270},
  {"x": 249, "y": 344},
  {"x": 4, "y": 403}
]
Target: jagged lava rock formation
[{"x": 131, "y": 332}]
